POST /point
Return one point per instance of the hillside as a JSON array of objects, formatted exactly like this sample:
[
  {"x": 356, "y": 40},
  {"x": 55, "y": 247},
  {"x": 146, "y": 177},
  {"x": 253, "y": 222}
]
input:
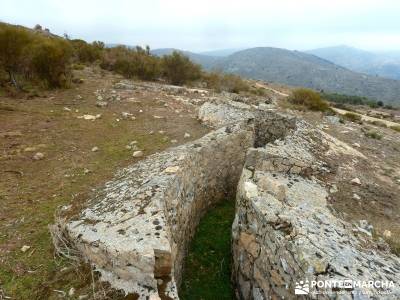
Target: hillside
[
  {"x": 302, "y": 69},
  {"x": 381, "y": 64}
]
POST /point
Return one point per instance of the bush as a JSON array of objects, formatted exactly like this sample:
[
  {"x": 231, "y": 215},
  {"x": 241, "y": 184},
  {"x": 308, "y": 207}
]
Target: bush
[
  {"x": 309, "y": 99},
  {"x": 395, "y": 128},
  {"x": 348, "y": 99},
  {"x": 178, "y": 69},
  {"x": 131, "y": 63},
  {"x": 373, "y": 135},
  {"x": 34, "y": 58},
  {"x": 13, "y": 47},
  {"x": 353, "y": 117},
  {"x": 50, "y": 59},
  {"x": 378, "y": 123},
  {"x": 225, "y": 82},
  {"x": 86, "y": 53}
]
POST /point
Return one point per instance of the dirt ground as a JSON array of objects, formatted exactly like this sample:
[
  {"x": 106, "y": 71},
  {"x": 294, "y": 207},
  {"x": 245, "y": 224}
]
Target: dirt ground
[{"x": 32, "y": 190}]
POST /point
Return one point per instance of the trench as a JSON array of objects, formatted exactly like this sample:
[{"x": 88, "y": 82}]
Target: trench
[{"x": 207, "y": 267}]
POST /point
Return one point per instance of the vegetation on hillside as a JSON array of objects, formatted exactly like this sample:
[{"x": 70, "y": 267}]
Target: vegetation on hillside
[
  {"x": 37, "y": 58},
  {"x": 341, "y": 100},
  {"x": 353, "y": 117},
  {"x": 26, "y": 56},
  {"x": 306, "y": 98}
]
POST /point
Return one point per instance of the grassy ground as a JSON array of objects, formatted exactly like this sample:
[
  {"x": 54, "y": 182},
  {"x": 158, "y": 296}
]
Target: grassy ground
[
  {"x": 31, "y": 190},
  {"x": 208, "y": 266}
]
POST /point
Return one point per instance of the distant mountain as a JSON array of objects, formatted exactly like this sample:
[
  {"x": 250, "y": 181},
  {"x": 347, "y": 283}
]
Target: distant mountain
[
  {"x": 299, "y": 69},
  {"x": 303, "y": 69},
  {"x": 221, "y": 52},
  {"x": 206, "y": 61},
  {"x": 380, "y": 64}
]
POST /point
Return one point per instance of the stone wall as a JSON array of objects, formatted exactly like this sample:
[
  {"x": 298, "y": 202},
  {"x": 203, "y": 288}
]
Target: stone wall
[
  {"x": 136, "y": 231},
  {"x": 284, "y": 232},
  {"x": 137, "y": 228}
]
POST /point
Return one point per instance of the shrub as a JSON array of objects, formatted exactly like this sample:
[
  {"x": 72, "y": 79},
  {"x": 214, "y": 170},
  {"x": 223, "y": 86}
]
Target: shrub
[
  {"x": 396, "y": 128},
  {"x": 356, "y": 118},
  {"x": 225, "y": 82},
  {"x": 78, "y": 66},
  {"x": 378, "y": 123},
  {"x": 348, "y": 99},
  {"x": 309, "y": 99},
  {"x": 13, "y": 47},
  {"x": 50, "y": 59},
  {"x": 131, "y": 63},
  {"x": 178, "y": 69},
  {"x": 32, "y": 57},
  {"x": 86, "y": 53},
  {"x": 373, "y": 135}
]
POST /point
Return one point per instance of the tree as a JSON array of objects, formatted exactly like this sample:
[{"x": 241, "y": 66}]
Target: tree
[{"x": 13, "y": 43}]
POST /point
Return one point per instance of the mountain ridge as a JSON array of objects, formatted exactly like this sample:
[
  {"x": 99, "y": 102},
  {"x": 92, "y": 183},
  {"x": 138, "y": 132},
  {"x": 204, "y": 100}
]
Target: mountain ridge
[{"x": 297, "y": 68}]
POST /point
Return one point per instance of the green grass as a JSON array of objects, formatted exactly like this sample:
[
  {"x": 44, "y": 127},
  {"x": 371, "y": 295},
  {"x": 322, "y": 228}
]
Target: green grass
[{"x": 208, "y": 266}]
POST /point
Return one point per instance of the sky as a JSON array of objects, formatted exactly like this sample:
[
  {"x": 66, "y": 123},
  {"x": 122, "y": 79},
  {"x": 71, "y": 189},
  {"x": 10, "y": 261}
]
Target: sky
[{"x": 219, "y": 24}]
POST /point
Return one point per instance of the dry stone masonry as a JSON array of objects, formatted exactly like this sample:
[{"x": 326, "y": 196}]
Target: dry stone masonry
[
  {"x": 136, "y": 230},
  {"x": 284, "y": 231}
]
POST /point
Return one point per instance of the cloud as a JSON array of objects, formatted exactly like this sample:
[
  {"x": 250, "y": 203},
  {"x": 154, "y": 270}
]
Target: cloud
[{"x": 201, "y": 25}]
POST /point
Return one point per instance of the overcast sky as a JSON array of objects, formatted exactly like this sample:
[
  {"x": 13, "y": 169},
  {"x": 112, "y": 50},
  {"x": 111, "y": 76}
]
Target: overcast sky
[{"x": 217, "y": 24}]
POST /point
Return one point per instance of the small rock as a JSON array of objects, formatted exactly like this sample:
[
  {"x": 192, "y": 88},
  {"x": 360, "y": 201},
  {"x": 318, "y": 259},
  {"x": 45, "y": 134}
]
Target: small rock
[
  {"x": 333, "y": 189},
  {"x": 38, "y": 156},
  {"x": 86, "y": 171},
  {"x": 11, "y": 134},
  {"x": 133, "y": 143},
  {"x": 387, "y": 234},
  {"x": 95, "y": 149},
  {"x": 161, "y": 131},
  {"x": 356, "y": 181},
  {"x": 160, "y": 281},
  {"x": 25, "y": 248},
  {"x": 151, "y": 132},
  {"x": 187, "y": 135},
  {"x": 174, "y": 141},
  {"x": 101, "y": 104},
  {"x": 67, "y": 109},
  {"x": 356, "y": 145},
  {"x": 71, "y": 292},
  {"x": 78, "y": 97},
  {"x": 83, "y": 297},
  {"x": 172, "y": 170},
  {"x": 90, "y": 117},
  {"x": 126, "y": 115},
  {"x": 137, "y": 154},
  {"x": 356, "y": 197},
  {"x": 30, "y": 149},
  {"x": 158, "y": 117}
]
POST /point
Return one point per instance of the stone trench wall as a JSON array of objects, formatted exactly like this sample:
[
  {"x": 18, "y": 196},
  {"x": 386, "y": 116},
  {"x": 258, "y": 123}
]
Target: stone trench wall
[
  {"x": 137, "y": 228},
  {"x": 284, "y": 231}
]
